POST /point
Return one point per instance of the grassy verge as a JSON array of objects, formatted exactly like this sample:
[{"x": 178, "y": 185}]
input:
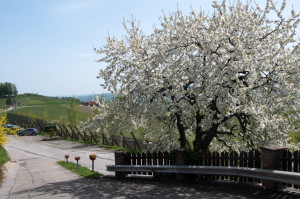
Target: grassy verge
[
  {"x": 3, "y": 156},
  {"x": 3, "y": 159},
  {"x": 82, "y": 171}
]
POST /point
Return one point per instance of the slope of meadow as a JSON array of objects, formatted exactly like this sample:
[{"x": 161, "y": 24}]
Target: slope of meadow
[{"x": 38, "y": 107}]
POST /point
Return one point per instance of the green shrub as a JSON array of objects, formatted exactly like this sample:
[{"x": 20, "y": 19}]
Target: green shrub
[{"x": 295, "y": 137}]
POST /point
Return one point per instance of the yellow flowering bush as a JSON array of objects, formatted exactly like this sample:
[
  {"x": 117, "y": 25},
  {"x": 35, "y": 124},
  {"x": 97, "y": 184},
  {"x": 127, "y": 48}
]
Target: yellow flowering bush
[{"x": 3, "y": 130}]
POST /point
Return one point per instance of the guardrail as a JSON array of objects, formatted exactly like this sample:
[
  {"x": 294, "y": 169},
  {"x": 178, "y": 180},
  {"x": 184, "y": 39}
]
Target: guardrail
[{"x": 264, "y": 174}]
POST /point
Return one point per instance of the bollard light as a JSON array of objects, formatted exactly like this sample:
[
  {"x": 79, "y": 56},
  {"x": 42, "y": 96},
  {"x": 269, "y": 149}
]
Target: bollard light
[
  {"x": 77, "y": 158},
  {"x": 67, "y": 157},
  {"x": 93, "y": 157}
]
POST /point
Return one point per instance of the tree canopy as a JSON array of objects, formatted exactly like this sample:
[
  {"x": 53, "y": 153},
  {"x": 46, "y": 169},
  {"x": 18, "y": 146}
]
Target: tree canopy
[
  {"x": 230, "y": 78},
  {"x": 8, "y": 89}
]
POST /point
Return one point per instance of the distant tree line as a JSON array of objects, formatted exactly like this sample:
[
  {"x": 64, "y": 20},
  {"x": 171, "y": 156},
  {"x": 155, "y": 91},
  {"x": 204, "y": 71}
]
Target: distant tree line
[{"x": 8, "y": 89}]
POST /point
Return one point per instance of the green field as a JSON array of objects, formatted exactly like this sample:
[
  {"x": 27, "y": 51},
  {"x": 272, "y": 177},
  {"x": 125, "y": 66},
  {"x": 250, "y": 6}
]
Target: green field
[
  {"x": 34, "y": 99},
  {"x": 51, "y": 112},
  {"x": 37, "y": 107}
]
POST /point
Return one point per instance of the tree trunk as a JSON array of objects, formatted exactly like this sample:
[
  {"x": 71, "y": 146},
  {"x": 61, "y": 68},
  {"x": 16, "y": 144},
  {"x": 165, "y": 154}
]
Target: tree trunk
[
  {"x": 198, "y": 140},
  {"x": 202, "y": 143},
  {"x": 199, "y": 133},
  {"x": 181, "y": 131}
]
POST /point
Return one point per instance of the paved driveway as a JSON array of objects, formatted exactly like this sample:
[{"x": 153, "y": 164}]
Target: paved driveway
[
  {"x": 33, "y": 173},
  {"x": 33, "y": 164}
]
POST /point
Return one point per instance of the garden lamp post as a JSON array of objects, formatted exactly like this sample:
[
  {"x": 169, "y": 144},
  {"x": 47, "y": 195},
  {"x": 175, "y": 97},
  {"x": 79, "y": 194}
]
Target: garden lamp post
[
  {"x": 67, "y": 157},
  {"x": 77, "y": 158},
  {"x": 93, "y": 157}
]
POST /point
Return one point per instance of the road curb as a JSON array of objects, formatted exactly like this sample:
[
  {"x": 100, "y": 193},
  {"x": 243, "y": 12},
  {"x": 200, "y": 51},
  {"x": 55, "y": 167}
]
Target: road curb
[{"x": 11, "y": 169}]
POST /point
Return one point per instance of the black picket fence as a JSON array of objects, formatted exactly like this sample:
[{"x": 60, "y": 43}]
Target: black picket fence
[{"x": 290, "y": 162}]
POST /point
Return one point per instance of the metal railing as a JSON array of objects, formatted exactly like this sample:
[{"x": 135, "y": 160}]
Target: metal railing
[{"x": 264, "y": 174}]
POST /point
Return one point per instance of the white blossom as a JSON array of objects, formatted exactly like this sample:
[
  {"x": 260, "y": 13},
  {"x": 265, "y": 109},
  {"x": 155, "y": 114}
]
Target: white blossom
[{"x": 231, "y": 78}]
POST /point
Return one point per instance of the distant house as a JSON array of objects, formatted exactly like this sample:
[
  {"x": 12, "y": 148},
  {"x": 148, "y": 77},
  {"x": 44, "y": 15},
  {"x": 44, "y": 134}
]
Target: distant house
[{"x": 90, "y": 103}]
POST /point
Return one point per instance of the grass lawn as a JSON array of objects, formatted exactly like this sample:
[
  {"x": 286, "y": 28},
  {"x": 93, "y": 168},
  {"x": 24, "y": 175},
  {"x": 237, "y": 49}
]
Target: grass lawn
[
  {"x": 38, "y": 107},
  {"x": 82, "y": 171},
  {"x": 3, "y": 159}
]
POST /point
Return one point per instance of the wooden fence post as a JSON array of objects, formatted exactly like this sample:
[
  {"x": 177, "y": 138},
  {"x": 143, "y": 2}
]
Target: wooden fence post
[
  {"x": 44, "y": 125},
  {"x": 93, "y": 137},
  {"x": 113, "y": 140},
  {"x": 85, "y": 136},
  {"x": 61, "y": 131},
  {"x": 79, "y": 133},
  {"x": 41, "y": 127},
  {"x": 296, "y": 155},
  {"x": 135, "y": 141},
  {"x": 179, "y": 160},
  {"x": 67, "y": 131},
  {"x": 73, "y": 134},
  {"x": 58, "y": 131},
  {"x": 31, "y": 124},
  {"x": 24, "y": 124},
  {"x": 270, "y": 156},
  {"x": 120, "y": 159},
  {"x": 37, "y": 125},
  {"x": 104, "y": 139},
  {"x": 125, "y": 144}
]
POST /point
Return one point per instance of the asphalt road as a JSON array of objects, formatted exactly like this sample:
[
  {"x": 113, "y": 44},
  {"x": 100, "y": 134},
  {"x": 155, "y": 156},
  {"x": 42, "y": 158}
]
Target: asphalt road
[
  {"x": 33, "y": 163},
  {"x": 33, "y": 173}
]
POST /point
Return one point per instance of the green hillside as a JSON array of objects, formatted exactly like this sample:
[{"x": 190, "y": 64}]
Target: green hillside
[
  {"x": 29, "y": 99},
  {"x": 38, "y": 107}
]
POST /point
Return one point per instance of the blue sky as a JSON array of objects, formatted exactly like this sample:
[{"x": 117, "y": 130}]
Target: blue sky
[{"x": 46, "y": 46}]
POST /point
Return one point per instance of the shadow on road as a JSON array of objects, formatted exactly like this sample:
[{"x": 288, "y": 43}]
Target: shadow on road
[
  {"x": 50, "y": 139},
  {"x": 150, "y": 188}
]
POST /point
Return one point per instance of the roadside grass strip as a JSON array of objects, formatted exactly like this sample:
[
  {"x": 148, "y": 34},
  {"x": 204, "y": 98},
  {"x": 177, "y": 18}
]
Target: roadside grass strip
[
  {"x": 3, "y": 156},
  {"x": 82, "y": 171},
  {"x": 3, "y": 159}
]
